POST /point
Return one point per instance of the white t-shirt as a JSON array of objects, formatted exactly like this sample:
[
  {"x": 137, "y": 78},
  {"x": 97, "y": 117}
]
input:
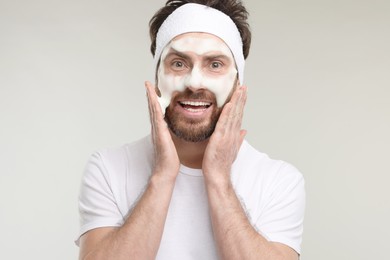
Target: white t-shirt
[{"x": 271, "y": 192}]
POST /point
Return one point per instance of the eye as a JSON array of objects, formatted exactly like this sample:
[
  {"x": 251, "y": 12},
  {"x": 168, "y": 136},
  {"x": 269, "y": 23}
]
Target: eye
[
  {"x": 215, "y": 65},
  {"x": 178, "y": 65}
]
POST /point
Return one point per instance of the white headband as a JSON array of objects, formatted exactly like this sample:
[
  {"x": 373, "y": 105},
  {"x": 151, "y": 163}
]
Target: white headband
[{"x": 200, "y": 18}]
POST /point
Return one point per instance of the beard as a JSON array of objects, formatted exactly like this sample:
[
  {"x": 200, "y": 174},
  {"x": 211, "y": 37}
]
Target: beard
[{"x": 193, "y": 130}]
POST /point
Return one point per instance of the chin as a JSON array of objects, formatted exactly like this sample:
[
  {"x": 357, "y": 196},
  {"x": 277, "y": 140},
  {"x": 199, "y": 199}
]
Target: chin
[{"x": 191, "y": 131}]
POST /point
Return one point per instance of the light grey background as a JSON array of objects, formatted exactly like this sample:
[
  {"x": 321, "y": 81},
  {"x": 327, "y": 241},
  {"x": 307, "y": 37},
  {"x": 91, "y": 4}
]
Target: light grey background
[{"x": 71, "y": 82}]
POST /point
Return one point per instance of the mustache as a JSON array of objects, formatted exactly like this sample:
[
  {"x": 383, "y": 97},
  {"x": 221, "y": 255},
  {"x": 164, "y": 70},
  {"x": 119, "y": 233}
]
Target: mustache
[{"x": 199, "y": 94}]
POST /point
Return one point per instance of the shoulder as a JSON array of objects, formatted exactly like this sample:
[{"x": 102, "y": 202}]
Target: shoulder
[
  {"x": 249, "y": 157},
  {"x": 118, "y": 155},
  {"x": 253, "y": 166},
  {"x": 111, "y": 162}
]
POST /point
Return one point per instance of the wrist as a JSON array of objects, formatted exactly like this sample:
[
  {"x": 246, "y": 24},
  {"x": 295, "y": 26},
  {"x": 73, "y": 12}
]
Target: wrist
[
  {"x": 219, "y": 182},
  {"x": 162, "y": 178}
]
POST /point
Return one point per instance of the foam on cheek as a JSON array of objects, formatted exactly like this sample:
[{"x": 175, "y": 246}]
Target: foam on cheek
[
  {"x": 220, "y": 85},
  {"x": 167, "y": 83}
]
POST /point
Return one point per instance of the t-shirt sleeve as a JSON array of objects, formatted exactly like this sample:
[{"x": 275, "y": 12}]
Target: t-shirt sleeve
[
  {"x": 282, "y": 217},
  {"x": 97, "y": 204}
]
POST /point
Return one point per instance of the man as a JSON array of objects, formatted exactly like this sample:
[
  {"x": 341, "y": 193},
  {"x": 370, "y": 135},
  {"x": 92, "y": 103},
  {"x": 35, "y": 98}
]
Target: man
[{"x": 193, "y": 189}]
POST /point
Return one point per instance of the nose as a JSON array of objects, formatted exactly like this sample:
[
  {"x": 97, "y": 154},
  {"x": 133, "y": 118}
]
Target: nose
[{"x": 194, "y": 79}]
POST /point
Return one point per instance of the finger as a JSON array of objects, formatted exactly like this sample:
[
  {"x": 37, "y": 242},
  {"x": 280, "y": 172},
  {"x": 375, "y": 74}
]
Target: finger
[
  {"x": 152, "y": 96},
  {"x": 229, "y": 112},
  {"x": 152, "y": 110},
  {"x": 244, "y": 96},
  {"x": 155, "y": 106},
  {"x": 236, "y": 95},
  {"x": 148, "y": 96},
  {"x": 156, "y": 117},
  {"x": 242, "y": 136},
  {"x": 240, "y": 140},
  {"x": 222, "y": 123},
  {"x": 241, "y": 105},
  {"x": 241, "y": 98},
  {"x": 236, "y": 113}
]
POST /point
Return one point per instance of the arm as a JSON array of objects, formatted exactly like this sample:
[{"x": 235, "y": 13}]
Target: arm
[
  {"x": 139, "y": 237},
  {"x": 235, "y": 236}
]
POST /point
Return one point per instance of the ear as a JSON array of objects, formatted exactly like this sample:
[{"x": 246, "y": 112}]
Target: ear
[
  {"x": 238, "y": 81},
  {"x": 158, "y": 92}
]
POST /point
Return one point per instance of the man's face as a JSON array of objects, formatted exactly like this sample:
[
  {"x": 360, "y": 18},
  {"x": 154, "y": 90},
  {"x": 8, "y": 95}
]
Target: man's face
[{"x": 196, "y": 77}]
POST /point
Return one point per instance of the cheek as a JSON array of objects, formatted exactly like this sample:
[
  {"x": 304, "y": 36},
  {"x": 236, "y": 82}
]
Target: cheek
[
  {"x": 168, "y": 84},
  {"x": 221, "y": 86}
]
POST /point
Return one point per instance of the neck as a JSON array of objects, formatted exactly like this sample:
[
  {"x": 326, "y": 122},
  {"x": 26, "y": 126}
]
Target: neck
[{"x": 190, "y": 153}]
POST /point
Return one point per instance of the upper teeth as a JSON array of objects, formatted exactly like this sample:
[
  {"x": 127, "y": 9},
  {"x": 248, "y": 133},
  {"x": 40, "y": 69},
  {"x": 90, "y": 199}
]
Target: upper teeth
[{"x": 195, "y": 103}]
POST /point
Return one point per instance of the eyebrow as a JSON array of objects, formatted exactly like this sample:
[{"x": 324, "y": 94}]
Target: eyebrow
[
  {"x": 207, "y": 56},
  {"x": 217, "y": 56},
  {"x": 177, "y": 53}
]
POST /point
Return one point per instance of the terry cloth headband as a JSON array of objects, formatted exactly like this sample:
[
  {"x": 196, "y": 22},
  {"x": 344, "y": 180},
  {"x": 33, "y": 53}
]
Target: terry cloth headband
[{"x": 200, "y": 18}]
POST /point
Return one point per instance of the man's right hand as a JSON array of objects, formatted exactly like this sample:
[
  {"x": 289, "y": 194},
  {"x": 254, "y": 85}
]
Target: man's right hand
[
  {"x": 140, "y": 236},
  {"x": 166, "y": 159}
]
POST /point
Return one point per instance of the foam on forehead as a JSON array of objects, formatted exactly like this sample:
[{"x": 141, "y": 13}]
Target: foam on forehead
[{"x": 200, "y": 18}]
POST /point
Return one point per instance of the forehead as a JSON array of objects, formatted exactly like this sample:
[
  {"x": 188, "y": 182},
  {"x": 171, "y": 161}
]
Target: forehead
[{"x": 199, "y": 43}]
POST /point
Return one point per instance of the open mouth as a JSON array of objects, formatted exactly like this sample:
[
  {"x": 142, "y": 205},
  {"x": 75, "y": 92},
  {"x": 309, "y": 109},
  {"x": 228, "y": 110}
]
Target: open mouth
[{"x": 195, "y": 106}]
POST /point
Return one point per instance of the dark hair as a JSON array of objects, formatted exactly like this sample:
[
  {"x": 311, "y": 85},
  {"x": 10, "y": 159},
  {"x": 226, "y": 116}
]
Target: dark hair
[{"x": 233, "y": 8}]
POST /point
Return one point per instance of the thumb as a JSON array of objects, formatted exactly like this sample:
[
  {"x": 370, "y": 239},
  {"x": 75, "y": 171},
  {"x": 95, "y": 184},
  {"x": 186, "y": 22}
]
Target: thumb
[{"x": 242, "y": 136}]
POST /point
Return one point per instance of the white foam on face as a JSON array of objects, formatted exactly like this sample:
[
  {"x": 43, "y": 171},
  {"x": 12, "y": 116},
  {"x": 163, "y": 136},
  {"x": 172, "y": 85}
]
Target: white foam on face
[{"x": 198, "y": 75}]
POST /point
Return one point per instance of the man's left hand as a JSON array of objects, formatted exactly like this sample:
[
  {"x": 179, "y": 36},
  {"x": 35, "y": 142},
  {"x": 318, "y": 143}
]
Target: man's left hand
[{"x": 226, "y": 140}]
